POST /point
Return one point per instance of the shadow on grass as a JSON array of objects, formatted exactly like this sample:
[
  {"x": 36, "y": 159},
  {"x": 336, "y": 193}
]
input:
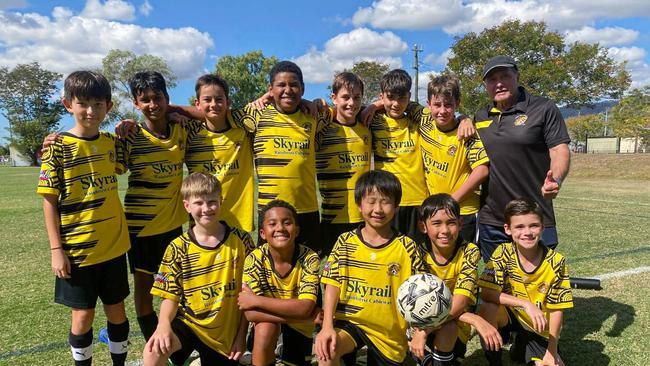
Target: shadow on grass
[{"x": 586, "y": 317}]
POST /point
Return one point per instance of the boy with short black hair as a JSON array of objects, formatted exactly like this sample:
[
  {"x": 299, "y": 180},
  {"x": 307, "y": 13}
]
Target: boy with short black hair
[
  {"x": 450, "y": 165},
  {"x": 199, "y": 279},
  {"x": 361, "y": 278},
  {"x": 224, "y": 149},
  {"x": 525, "y": 288},
  {"x": 396, "y": 148},
  {"x": 153, "y": 203},
  {"x": 280, "y": 289},
  {"x": 85, "y": 222},
  {"x": 455, "y": 261},
  {"x": 343, "y": 151}
]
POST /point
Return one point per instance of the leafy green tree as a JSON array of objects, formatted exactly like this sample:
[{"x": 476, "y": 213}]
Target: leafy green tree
[
  {"x": 631, "y": 116},
  {"x": 118, "y": 67},
  {"x": 29, "y": 100},
  {"x": 247, "y": 75},
  {"x": 581, "y": 127},
  {"x": 574, "y": 75},
  {"x": 370, "y": 72}
]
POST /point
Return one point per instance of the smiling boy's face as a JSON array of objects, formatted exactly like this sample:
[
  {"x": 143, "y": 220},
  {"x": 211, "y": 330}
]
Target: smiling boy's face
[
  {"x": 279, "y": 228},
  {"x": 287, "y": 91},
  {"x": 153, "y": 105}
]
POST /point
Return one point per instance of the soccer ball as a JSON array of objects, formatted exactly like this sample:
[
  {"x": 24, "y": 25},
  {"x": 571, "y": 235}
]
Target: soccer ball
[{"x": 424, "y": 300}]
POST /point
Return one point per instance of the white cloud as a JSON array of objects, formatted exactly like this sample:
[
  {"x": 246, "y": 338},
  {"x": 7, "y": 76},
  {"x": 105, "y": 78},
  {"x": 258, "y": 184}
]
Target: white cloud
[
  {"x": 146, "y": 8},
  {"x": 109, "y": 10},
  {"x": 67, "y": 42},
  {"x": 635, "y": 63},
  {"x": 423, "y": 82},
  {"x": 435, "y": 59},
  {"x": 456, "y": 16},
  {"x": 345, "y": 49},
  {"x": 410, "y": 14},
  {"x": 610, "y": 36}
]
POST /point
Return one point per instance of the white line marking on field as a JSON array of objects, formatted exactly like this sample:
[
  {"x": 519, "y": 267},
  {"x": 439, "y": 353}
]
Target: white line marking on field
[{"x": 627, "y": 272}]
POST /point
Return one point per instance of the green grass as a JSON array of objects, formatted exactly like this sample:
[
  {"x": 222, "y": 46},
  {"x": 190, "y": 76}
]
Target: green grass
[{"x": 602, "y": 223}]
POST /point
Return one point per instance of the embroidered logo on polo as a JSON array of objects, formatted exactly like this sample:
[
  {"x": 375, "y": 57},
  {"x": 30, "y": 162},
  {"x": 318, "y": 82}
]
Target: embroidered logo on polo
[{"x": 521, "y": 120}]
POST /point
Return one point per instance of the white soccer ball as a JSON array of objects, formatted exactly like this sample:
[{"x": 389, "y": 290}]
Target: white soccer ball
[{"x": 424, "y": 300}]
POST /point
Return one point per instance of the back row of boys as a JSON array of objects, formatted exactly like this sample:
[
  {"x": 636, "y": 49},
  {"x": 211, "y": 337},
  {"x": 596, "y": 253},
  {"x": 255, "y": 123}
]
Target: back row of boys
[{"x": 74, "y": 181}]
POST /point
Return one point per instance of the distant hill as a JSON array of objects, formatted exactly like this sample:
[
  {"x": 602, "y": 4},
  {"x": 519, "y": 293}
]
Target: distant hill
[{"x": 598, "y": 108}]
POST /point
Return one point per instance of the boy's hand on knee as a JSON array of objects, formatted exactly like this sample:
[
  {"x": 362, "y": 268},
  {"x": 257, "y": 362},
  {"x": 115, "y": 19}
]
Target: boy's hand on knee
[
  {"x": 161, "y": 340},
  {"x": 489, "y": 334},
  {"x": 325, "y": 344},
  {"x": 416, "y": 345},
  {"x": 551, "y": 359},
  {"x": 537, "y": 316}
]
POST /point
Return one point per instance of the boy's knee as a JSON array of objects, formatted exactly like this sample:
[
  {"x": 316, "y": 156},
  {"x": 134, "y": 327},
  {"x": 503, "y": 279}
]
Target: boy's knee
[
  {"x": 266, "y": 333},
  {"x": 115, "y": 313},
  {"x": 82, "y": 320},
  {"x": 446, "y": 336}
]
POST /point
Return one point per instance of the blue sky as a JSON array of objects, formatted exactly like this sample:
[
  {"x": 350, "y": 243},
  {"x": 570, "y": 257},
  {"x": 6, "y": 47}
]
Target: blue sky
[{"x": 322, "y": 37}]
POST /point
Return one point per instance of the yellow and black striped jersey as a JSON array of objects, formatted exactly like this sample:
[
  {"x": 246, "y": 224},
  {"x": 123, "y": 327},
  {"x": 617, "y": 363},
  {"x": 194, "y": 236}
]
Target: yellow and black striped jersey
[
  {"x": 396, "y": 147},
  {"x": 284, "y": 154},
  {"x": 228, "y": 155},
  {"x": 300, "y": 283},
  {"x": 205, "y": 282},
  {"x": 81, "y": 172},
  {"x": 153, "y": 201},
  {"x": 460, "y": 274},
  {"x": 547, "y": 286},
  {"x": 448, "y": 162},
  {"x": 342, "y": 155},
  {"x": 368, "y": 278}
]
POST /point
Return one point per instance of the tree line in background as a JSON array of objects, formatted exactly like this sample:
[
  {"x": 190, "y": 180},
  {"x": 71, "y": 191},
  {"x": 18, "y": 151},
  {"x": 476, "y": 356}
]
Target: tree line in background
[{"x": 574, "y": 75}]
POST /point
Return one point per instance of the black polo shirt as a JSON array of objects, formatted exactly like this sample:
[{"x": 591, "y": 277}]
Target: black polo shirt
[{"x": 517, "y": 141}]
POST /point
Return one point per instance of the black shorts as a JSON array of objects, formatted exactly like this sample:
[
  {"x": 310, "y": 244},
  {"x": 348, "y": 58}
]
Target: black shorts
[
  {"x": 309, "y": 234},
  {"x": 147, "y": 252},
  {"x": 296, "y": 347},
  {"x": 406, "y": 222},
  {"x": 107, "y": 280},
  {"x": 331, "y": 232},
  {"x": 375, "y": 357},
  {"x": 190, "y": 342},
  {"x": 468, "y": 231},
  {"x": 528, "y": 346}
]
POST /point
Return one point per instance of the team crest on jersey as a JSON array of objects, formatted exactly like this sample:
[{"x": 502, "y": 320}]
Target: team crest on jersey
[
  {"x": 373, "y": 256},
  {"x": 521, "y": 120},
  {"x": 93, "y": 148},
  {"x": 542, "y": 288},
  {"x": 307, "y": 127},
  {"x": 451, "y": 151},
  {"x": 394, "y": 268},
  {"x": 44, "y": 175},
  {"x": 111, "y": 156}
]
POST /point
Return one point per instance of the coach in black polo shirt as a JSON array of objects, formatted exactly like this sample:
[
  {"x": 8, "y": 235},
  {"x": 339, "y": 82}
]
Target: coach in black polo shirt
[{"x": 527, "y": 142}]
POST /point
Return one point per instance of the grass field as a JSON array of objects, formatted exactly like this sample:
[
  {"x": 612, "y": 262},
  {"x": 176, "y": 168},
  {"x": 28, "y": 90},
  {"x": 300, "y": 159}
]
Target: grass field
[{"x": 603, "y": 218}]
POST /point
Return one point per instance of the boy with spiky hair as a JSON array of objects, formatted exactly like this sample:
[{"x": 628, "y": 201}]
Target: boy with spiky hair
[
  {"x": 453, "y": 166},
  {"x": 199, "y": 279},
  {"x": 85, "y": 222},
  {"x": 224, "y": 149},
  {"x": 343, "y": 151},
  {"x": 525, "y": 289},
  {"x": 154, "y": 154},
  {"x": 396, "y": 148}
]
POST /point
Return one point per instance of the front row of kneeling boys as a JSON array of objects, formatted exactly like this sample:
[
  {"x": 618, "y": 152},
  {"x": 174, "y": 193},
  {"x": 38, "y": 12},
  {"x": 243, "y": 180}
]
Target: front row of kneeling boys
[{"x": 213, "y": 283}]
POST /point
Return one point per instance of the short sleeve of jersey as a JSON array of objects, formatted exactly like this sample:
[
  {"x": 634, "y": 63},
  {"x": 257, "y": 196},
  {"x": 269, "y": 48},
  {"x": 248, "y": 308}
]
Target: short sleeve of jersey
[
  {"x": 476, "y": 154},
  {"x": 559, "y": 295},
  {"x": 468, "y": 276},
  {"x": 330, "y": 274},
  {"x": 49, "y": 178},
  {"x": 253, "y": 268},
  {"x": 167, "y": 282},
  {"x": 555, "y": 131},
  {"x": 493, "y": 275},
  {"x": 246, "y": 118},
  {"x": 309, "y": 282}
]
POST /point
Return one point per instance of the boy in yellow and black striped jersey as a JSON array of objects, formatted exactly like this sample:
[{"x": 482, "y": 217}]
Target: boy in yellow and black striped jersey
[
  {"x": 525, "y": 288},
  {"x": 396, "y": 148},
  {"x": 280, "y": 289},
  {"x": 199, "y": 279},
  {"x": 153, "y": 202},
  {"x": 450, "y": 165},
  {"x": 455, "y": 261},
  {"x": 361, "y": 278},
  {"x": 343, "y": 151},
  {"x": 85, "y": 222},
  {"x": 224, "y": 149}
]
